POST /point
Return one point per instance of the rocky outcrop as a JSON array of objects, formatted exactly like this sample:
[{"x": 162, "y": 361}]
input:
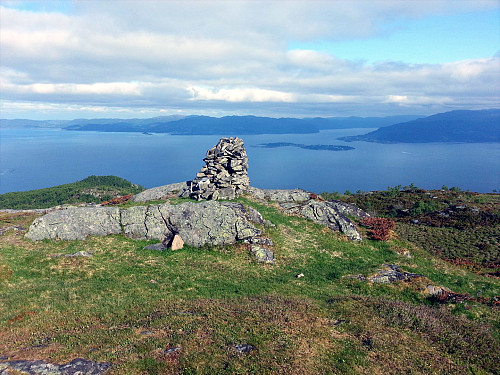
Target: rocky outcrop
[
  {"x": 348, "y": 209},
  {"x": 391, "y": 273},
  {"x": 278, "y": 195},
  {"x": 161, "y": 192},
  {"x": 76, "y": 223},
  {"x": 225, "y": 173},
  {"x": 77, "y": 366},
  {"x": 326, "y": 213},
  {"x": 262, "y": 254},
  {"x": 213, "y": 223}
]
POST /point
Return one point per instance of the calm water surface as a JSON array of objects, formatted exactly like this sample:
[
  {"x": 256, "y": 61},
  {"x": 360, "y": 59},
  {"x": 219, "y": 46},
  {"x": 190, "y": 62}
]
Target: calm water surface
[{"x": 38, "y": 158}]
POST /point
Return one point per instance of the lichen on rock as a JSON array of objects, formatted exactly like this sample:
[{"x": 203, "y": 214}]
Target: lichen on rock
[
  {"x": 325, "y": 213},
  {"x": 198, "y": 224}
]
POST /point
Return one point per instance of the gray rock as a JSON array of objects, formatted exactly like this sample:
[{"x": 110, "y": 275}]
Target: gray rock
[
  {"x": 268, "y": 223},
  {"x": 348, "y": 209},
  {"x": 77, "y": 366},
  {"x": 76, "y": 223},
  {"x": 262, "y": 254},
  {"x": 359, "y": 277},
  {"x": 391, "y": 273},
  {"x": 325, "y": 213},
  {"x": 197, "y": 223},
  {"x": 260, "y": 241},
  {"x": 212, "y": 223},
  {"x": 79, "y": 254},
  {"x": 172, "y": 350},
  {"x": 156, "y": 246},
  {"x": 243, "y": 348},
  {"x": 277, "y": 195},
  {"x": 160, "y": 192},
  {"x": 14, "y": 227},
  {"x": 254, "y": 216}
]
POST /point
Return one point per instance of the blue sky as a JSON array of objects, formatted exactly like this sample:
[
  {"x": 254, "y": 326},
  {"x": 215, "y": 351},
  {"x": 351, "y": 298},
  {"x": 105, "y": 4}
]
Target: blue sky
[
  {"x": 432, "y": 40},
  {"x": 72, "y": 59}
]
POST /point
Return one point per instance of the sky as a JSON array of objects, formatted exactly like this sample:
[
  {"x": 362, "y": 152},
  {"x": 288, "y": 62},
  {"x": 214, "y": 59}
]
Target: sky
[{"x": 125, "y": 59}]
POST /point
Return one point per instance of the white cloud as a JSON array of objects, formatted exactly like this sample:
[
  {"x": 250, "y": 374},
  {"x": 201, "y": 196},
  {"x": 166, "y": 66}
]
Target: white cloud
[
  {"x": 241, "y": 95},
  {"x": 114, "y": 88},
  {"x": 228, "y": 57}
]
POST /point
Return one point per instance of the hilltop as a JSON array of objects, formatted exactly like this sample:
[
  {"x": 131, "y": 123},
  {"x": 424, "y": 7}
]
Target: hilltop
[
  {"x": 93, "y": 189},
  {"x": 324, "y": 306}
]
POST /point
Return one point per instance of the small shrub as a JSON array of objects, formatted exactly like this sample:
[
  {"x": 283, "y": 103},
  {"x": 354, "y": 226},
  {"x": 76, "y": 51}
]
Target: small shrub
[
  {"x": 421, "y": 207},
  {"x": 117, "y": 200},
  {"x": 393, "y": 191},
  {"x": 379, "y": 228}
]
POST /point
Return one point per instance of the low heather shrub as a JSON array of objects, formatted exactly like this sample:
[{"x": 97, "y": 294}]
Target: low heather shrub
[{"x": 379, "y": 228}]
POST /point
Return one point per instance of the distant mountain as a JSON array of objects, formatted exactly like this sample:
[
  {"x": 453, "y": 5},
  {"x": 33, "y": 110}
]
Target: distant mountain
[
  {"x": 134, "y": 123},
  {"x": 359, "y": 122},
  {"x": 240, "y": 125},
  {"x": 455, "y": 126},
  {"x": 22, "y": 123},
  {"x": 205, "y": 125}
]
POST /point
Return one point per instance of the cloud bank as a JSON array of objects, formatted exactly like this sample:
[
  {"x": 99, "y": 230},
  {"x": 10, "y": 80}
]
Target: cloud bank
[{"x": 218, "y": 58}]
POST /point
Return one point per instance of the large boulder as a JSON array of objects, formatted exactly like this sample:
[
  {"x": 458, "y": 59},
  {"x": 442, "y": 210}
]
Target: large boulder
[
  {"x": 160, "y": 192},
  {"x": 197, "y": 224},
  {"x": 326, "y": 213},
  {"x": 212, "y": 223},
  {"x": 279, "y": 195},
  {"x": 333, "y": 214},
  {"x": 76, "y": 223}
]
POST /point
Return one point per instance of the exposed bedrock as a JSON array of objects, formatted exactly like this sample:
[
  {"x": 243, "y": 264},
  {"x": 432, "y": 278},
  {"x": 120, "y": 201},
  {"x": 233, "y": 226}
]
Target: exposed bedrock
[
  {"x": 328, "y": 213},
  {"x": 214, "y": 223}
]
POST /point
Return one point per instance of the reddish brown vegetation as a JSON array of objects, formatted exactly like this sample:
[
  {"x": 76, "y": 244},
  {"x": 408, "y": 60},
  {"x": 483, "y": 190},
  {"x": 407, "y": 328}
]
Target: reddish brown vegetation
[
  {"x": 316, "y": 197},
  {"x": 379, "y": 228},
  {"x": 117, "y": 200}
]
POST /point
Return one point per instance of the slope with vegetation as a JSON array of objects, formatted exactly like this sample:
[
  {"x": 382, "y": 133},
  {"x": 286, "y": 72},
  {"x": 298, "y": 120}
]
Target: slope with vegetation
[
  {"x": 458, "y": 226},
  {"x": 215, "y": 310},
  {"x": 93, "y": 189}
]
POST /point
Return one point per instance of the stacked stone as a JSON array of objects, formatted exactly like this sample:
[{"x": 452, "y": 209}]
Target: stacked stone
[{"x": 225, "y": 173}]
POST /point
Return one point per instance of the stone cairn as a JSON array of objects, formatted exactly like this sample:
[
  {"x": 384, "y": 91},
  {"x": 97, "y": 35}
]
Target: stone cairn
[{"x": 225, "y": 173}]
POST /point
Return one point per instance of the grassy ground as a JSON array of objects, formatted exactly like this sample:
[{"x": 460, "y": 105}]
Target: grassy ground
[{"x": 127, "y": 306}]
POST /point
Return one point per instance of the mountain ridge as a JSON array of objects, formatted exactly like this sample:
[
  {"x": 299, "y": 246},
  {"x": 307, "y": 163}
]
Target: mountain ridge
[
  {"x": 453, "y": 126},
  {"x": 203, "y": 125}
]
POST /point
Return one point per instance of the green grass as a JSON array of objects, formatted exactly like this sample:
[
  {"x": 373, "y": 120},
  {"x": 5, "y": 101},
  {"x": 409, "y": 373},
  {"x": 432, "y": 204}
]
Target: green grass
[{"x": 127, "y": 305}]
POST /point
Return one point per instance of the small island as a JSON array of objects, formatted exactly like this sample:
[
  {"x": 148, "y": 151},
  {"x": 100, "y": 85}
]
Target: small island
[{"x": 307, "y": 147}]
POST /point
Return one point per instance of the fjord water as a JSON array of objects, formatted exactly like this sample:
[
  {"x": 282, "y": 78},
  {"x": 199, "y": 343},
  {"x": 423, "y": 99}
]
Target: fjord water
[{"x": 38, "y": 158}]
